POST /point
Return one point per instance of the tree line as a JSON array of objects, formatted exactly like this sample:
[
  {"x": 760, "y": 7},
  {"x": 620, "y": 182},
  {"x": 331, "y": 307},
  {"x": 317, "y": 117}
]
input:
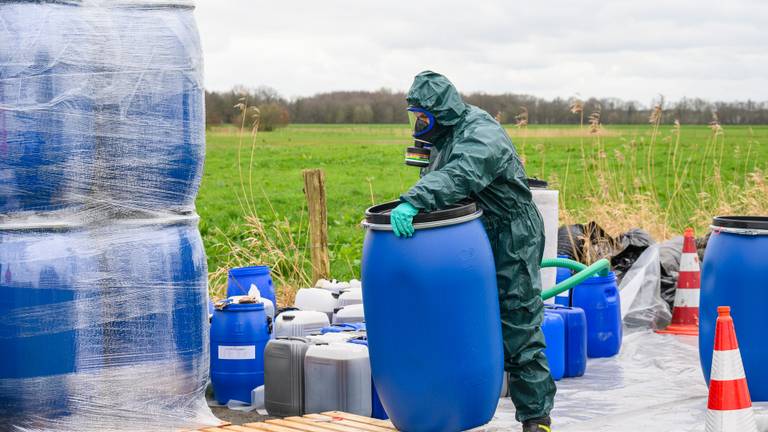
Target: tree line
[{"x": 385, "y": 106}]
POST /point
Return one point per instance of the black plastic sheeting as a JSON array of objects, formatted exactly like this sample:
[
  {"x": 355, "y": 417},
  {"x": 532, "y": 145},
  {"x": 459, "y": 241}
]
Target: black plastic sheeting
[{"x": 589, "y": 242}]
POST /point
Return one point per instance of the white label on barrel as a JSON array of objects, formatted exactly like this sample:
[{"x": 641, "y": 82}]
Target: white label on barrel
[{"x": 247, "y": 352}]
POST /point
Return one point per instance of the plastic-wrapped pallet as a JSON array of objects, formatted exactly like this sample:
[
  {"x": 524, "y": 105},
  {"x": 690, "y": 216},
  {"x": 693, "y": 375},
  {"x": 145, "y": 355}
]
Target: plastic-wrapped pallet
[{"x": 103, "y": 278}]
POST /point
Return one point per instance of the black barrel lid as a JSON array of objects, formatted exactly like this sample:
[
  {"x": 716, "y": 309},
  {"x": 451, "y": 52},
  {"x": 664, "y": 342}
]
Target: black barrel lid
[
  {"x": 537, "y": 183},
  {"x": 379, "y": 214},
  {"x": 741, "y": 222}
]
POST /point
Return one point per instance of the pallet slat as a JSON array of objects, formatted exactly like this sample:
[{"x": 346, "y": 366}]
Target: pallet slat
[
  {"x": 269, "y": 427},
  {"x": 351, "y": 423},
  {"x": 332, "y": 421},
  {"x": 306, "y": 427},
  {"x": 325, "y": 424},
  {"x": 361, "y": 419}
]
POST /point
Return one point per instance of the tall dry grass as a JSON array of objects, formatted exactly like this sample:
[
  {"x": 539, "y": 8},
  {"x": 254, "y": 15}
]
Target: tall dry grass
[
  {"x": 622, "y": 190},
  {"x": 277, "y": 244}
]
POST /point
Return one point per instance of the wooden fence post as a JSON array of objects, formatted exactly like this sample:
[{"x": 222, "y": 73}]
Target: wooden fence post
[{"x": 314, "y": 189}]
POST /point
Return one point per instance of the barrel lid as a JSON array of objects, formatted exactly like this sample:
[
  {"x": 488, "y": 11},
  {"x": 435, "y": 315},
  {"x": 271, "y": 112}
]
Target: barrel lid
[
  {"x": 537, "y": 183},
  {"x": 741, "y": 222},
  {"x": 239, "y": 303},
  {"x": 379, "y": 214}
]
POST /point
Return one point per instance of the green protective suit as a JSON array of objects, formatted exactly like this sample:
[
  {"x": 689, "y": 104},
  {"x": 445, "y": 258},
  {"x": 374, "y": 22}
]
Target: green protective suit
[{"x": 474, "y": 157}]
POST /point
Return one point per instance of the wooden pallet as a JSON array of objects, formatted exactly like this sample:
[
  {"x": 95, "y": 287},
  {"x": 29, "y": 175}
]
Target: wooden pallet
[{"x": 333, "y": 421}]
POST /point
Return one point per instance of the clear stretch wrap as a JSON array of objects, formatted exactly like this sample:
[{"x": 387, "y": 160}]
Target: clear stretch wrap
[{"x": 103, "y": 281}]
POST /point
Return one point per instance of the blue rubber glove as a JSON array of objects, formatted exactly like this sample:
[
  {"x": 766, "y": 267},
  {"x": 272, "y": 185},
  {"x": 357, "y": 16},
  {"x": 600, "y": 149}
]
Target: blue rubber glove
[{"x": 402, "y": 219}]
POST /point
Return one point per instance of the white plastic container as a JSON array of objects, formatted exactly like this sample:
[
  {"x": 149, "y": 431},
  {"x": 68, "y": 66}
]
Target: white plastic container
[
  {"x": 546, "y": 201},
  {"x": 333, "y": 286},
  {"x": 300, "y": 323},
  {"x": 317, "y": 299},
  {"x": 337, "y": 377},
  {"x": 349, "y": 314},
  {"x": 349, "y": 297}
]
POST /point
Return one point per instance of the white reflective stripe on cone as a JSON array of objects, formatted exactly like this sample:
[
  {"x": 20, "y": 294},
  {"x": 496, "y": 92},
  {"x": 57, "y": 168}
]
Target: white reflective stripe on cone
[
  {"x": 687, "y": 297},
  {"x": 726, "y": 366},
  {"x": 742, "y": 420},
  {"x": 689, "y": 262}
]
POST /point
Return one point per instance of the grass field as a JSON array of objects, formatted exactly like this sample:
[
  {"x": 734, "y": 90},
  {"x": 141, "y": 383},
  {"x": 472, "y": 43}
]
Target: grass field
[{"x": 618, "y": 167}]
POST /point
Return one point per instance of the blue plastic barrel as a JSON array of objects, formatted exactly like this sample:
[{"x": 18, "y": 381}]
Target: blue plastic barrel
[
  {"x": 437, "y": 358},
  {"x": 575, "y": 339},
  {"x": 49, "y": 321},
  {"x": 155, "y": 295},
  {"x": 735, "y": 274},
  {"x": 46, "y": 116},
  {"x": 239, "y": 281},
  {"x": 598, "y": 296},
  {"x": 155, "y": 117},
  {"x": 553, "y": 327},
  {"x": 377, "y": 409},
  {"x": 239, "y": 334}
]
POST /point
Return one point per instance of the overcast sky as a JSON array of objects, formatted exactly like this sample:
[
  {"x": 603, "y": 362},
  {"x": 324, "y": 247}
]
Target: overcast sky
[{"x": 629, "y": 49}]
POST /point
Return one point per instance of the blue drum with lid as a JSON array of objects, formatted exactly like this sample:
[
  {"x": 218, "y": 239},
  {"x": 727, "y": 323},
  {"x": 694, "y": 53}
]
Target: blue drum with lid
[
  {"x": 735, "y": 273},
  {"x": 239, "y": 334},
  {"x": 418, "y": 347}
]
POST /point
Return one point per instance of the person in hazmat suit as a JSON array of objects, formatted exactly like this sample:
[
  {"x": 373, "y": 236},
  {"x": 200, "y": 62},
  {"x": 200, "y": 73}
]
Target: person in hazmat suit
[{"x": 473, "y": 157}]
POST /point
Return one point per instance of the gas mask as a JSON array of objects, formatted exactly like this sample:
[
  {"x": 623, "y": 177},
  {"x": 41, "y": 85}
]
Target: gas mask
[{"x": 423, "y": 125}]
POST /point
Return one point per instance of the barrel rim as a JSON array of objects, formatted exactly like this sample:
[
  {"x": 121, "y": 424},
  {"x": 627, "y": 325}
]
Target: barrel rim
[
  {"x": 243, "y": 307},
  {"x": 379, "y": 214},
  {"x": 254, "y": 270},
  {"x": 735, "y": 223},
  {"x": 427, "y": 225}
]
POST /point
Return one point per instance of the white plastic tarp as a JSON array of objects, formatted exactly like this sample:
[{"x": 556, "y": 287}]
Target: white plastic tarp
[{"x": 654, "y": 384}]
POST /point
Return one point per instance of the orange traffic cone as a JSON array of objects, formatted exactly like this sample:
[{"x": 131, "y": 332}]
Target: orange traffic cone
[
  {"x": 729, "y": 407},
  {"x": 685, "y": 315}
]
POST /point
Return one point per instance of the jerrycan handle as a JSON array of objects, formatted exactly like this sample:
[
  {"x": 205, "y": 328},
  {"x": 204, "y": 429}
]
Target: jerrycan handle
[{"x": 600, "y": 267}]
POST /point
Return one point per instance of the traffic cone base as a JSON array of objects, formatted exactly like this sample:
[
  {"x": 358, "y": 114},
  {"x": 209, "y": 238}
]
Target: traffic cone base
[
  {"x": 742, "y": 420},
  {"x": 685, "y": 314}
]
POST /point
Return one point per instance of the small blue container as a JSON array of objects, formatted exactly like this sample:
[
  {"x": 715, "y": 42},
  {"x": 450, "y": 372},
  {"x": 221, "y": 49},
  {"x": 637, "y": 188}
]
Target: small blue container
[
  {"x": 339, "y": 328},
  {"x": 554, "y": 334},
  {"x": 239, "y": 281},
  {"x": 598, "y": 296},
  {"x": 239, "y": 334},
  {"x": 575, "y": 339},
  {"x": 377, "y": 410}
]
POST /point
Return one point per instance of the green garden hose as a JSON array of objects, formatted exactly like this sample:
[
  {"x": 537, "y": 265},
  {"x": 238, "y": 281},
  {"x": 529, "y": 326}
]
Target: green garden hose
[{"x": 601, "y": 267}]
